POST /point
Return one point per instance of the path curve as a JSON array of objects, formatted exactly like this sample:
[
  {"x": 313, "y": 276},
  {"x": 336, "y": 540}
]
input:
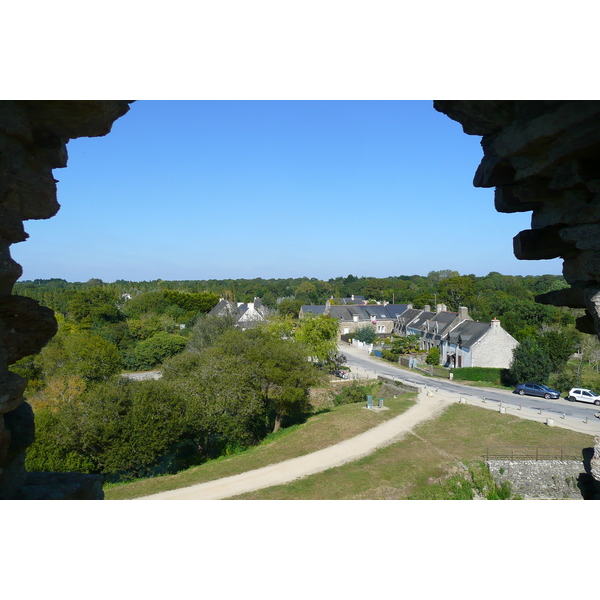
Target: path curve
[{"x": 427, "y": 407}]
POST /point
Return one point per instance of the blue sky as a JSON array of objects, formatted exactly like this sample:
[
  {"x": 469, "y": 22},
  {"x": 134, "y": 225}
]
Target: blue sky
[{"x": 243, "y": 189}]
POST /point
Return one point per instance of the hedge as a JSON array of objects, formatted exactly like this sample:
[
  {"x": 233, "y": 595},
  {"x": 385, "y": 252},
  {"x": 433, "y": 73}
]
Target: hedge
[{"x": 489, "y": 374}]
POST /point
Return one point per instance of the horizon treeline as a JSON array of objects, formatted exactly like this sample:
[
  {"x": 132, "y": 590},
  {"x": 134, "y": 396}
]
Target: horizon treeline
[{"x": 436, "y": 287}]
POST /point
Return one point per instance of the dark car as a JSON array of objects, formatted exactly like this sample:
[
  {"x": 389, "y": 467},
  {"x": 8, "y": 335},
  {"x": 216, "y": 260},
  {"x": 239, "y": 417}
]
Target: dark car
[{"x": 536, "y": 389}]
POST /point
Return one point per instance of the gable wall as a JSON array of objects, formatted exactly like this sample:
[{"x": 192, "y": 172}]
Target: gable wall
[{"x": 494, "y": 349}]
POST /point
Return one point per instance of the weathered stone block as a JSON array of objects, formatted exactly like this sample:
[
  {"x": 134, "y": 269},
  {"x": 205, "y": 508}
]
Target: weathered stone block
[
  {"x": 574, "y": 208},
  {"x": 573, "y": 297},
  {"x": 582, "y": 269},
  {"x": 11, "y": 394},
  {"x": 29, "y": 326},
  {"x": 536, "y": 244}
]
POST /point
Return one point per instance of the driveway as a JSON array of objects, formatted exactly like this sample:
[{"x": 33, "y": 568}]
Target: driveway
[{"x": 427, "y": 407}]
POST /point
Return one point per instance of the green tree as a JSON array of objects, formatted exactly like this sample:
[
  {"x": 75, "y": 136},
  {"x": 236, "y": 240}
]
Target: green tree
[
  {"x": 208, "y": 329},
  {"x": 530, "y": 364},
  {"x": 201, "y": 302},
  {"x": 289, "y": 308},
  {"x": 456, "y": 291},
  {"x": 94, "y": 305},
  {"x": 82, "y": 353},
  {"x": 366, "y": 334},
  {"x": 559, "y": 346},
  {"x": 281, "y": 372},
  {"x": 319, "y": 334},
  {"x": 151, "y": 352}
]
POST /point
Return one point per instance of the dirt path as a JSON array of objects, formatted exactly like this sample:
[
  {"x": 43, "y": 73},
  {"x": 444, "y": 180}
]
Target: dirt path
[{"x": 427, "y": 407}]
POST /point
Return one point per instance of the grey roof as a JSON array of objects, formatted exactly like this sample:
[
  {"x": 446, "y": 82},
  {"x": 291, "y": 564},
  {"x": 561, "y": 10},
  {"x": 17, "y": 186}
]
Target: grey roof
[
  {"x": 223, "y": 307},
  {"x": 469, "y": 332},
  {"x": 418, "y": 322},
  {"x": 316, "y": 309},
  {"x": 408, "y": 315},
  {"x": 365, "y": 312}
]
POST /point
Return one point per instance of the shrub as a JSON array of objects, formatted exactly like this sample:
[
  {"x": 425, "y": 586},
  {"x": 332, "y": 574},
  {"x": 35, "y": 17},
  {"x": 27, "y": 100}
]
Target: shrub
[
  {"x": 156, "y": 349},
  {"x": 355, "y": 392},
  {"x": 366, "y": 334},
  {"x": 488, "y": 374},
  {"x": 433, "y": 357},
  {"x": 389, "y": 355}
]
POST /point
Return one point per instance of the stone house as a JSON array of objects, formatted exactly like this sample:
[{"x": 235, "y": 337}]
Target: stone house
[
  {"x": 462, "y": 342},
  {"x": 474, "y": 344},
  {"x": 353, "y": 317},
  {"x": 435, "y": 328}
]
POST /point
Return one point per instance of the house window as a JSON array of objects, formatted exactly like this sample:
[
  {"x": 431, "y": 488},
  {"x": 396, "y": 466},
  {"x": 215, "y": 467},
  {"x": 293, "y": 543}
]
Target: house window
[
  {"x": 380, "y": 328},
  {"x": 346, "y": 330}
]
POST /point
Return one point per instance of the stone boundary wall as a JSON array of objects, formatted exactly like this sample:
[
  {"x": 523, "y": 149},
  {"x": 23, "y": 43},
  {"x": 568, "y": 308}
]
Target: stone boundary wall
[
  {"x": 403, "y": 386},
  {"x": 545, "y": 479}
]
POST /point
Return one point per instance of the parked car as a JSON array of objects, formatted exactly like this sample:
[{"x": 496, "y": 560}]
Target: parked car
[
  {"x": 536, "y": 389},
  {"x": 584, "y": 395}
]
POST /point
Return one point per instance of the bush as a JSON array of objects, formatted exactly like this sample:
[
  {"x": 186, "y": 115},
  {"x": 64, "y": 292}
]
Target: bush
[
  {"x": 389, "y": 355},
  {"x": 156, "y": 349},
  {"x": 366, "y": 334},
  {"x": 487, "y": 374},
  {"x": 355, "y": 392},
  {"x": 433, "y": 357},
  {"x": 118, "y": 427}
]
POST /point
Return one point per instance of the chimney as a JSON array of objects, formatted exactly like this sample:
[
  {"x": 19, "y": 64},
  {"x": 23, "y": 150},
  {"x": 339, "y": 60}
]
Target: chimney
[
  {"x": 440, "y": 307},
  {"x": 463, "y": 313},
  {"x": 495, "y": 324},
  {"x": 427, "y": 308}
]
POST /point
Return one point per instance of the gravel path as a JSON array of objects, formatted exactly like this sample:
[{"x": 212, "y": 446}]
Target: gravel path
[{"x": 427, "y": 407}]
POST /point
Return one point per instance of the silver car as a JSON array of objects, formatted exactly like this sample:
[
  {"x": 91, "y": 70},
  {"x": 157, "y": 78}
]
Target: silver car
[{"x": 583, "y": 395}]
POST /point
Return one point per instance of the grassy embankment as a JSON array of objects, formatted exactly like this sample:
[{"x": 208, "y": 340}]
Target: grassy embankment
[
  {"x": 442, "y": 459},
  {"x": 330, "y": 425}
]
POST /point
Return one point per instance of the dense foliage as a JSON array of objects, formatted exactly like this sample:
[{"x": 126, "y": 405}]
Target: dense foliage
[{"x": 224, "y": 388}]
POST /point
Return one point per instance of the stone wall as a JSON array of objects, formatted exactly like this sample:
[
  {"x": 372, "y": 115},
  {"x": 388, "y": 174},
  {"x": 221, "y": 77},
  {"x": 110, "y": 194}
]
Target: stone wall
[
  {"x": 552, "y": 479},
  {"x": 544, "y": 156},
  {"x": 542, "y": 479},
  {"x": 33, "y": 142}
]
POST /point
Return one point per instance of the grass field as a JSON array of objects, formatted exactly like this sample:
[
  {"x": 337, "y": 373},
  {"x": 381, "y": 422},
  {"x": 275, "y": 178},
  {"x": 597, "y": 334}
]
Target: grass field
[
  {"x": 422, "y": 465},
  {"x": 324, "y": 429}
]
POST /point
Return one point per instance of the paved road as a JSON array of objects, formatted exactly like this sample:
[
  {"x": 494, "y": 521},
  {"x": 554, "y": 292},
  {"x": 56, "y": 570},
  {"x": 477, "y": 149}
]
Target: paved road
[{"x": 557, "y": 408}]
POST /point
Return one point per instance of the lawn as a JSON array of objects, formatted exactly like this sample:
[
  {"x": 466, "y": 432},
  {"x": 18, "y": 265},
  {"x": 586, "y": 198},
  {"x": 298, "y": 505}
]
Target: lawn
[
  {"x": 415, "y": 467},
  {"x": 328, "y": 427}
]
